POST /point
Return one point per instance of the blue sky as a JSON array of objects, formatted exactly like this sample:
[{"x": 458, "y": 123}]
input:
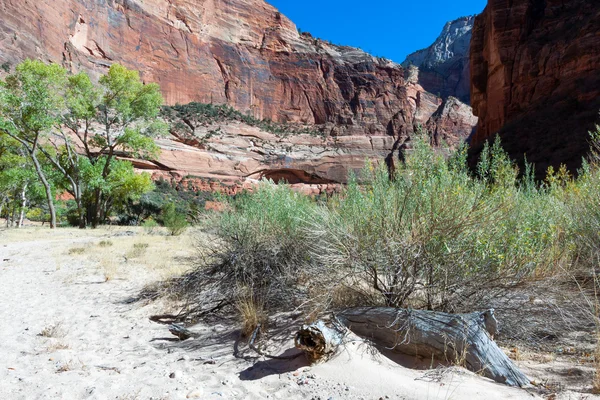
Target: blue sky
[{"x": 384, "y": 28}]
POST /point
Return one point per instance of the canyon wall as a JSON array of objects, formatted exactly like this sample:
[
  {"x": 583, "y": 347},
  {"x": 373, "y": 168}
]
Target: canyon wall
[
  {"x": 241, "y": 52},
  {"x": 244, "y": 53},
  {"x": 535, "y": 78}
]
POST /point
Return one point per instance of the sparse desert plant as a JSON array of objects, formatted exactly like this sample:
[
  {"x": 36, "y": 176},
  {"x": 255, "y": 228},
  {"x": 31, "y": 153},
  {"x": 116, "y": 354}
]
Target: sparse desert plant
[
  {"x": 139, "y": 249},
  {"x": 175, "y": 222},
  {"x": 108, "y": 267},
  {"x": 251, "y": 313},
  {"x": 65, "y": 367},
  {"x": 150, "y": 226},
  {"x": 53, "y": 331},
  {"x": 52, "y": 347},
  {"x": 105, "y": 243},
  {"x": 77, "y": 250}
]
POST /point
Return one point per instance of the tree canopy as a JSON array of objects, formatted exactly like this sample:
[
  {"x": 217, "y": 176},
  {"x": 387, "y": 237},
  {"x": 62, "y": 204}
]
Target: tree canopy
[{"x": 73, "y": 131}]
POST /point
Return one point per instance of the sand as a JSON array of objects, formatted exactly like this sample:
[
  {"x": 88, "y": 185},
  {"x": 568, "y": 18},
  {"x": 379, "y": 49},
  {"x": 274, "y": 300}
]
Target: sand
[{"x": 69, "y": 333}]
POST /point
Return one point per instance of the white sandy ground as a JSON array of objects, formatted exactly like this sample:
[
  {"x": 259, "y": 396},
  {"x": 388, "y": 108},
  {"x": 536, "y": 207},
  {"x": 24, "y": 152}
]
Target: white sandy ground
[{"x": 106, "y": 348}]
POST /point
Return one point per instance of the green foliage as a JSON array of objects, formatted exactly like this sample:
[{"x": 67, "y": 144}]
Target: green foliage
[
  {"x": 583, "y": 197},
  {"x": 201, "y": 114},
  {"x": 174, "y": 220},
  {"x": 262, "y": 250},
  {"x": 31, "y": 99},
  {"x": 150, "y": 205},
  {"x": 150, "y": 226},
  {"x": 118, "y": 115},
  {"x": 436, "y": 236}
]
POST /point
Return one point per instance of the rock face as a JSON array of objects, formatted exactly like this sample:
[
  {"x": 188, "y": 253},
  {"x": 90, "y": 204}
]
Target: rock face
[
  {"x": 449, "y": 123},
  {"x": 243, "y": 53},
  {"x": 535, "y": 68},
  {"x": 231, "y": 156},
  {"x": 444, "y": 66}
]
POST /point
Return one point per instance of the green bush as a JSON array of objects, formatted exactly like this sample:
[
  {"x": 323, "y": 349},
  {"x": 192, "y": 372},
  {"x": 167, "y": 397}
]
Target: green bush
[
  {"x": 150, "y": 226},
  {"x": 433, "y": 234},
  {"x": 433, "y": 237},
  {"x": 175, "y": 222},
  {"x": 204, "y": 114}
]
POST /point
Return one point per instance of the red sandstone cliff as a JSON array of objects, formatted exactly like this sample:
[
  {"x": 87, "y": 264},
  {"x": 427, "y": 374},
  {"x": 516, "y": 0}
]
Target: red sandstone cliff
[
  {"x": 535, "y": 77},
  {"x": 244, "y": 53},
  {"x": 241, "y": 52}
]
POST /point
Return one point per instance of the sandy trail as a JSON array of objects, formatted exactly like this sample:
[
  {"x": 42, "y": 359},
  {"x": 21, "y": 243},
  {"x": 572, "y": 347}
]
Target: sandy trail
[{"x": 106, "y": 348}]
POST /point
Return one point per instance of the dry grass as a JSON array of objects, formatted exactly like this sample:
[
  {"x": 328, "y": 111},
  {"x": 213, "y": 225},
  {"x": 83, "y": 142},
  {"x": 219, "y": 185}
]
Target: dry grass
[
  {"x": 138, "y": 250},
  {"x": 251, "y": 313},
  {"x": 76, "y": 251},
  {"x": 53, "y": 331},
  {"x": 65, "y": 367},
  {"x": 134, "y": 252},
  {"x": 56, "y": 346}
]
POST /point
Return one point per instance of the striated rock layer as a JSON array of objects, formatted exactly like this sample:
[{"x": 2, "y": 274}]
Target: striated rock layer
[
  {"x": 535, "y": 68},
  {"x": 233, "y": 156},
  {"x": 444, "y": 66}
]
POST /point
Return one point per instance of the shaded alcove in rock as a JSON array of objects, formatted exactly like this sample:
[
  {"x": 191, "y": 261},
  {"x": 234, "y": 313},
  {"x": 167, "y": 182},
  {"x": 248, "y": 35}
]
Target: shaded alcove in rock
[{"x": 291, "y": 176}]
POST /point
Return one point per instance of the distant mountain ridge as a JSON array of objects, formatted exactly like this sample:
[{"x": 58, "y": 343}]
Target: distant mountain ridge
[{"x": 444, "y": 66}]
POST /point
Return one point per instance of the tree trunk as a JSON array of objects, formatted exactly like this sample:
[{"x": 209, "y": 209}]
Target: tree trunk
[
  {"x": 80, "y": 209},
  {"x": 2, "y": 206},
  {"x": 318, "y": 341},
  {"x": 48, "y": 190},
  {"x": 13, "y": 215},
  {"x": 23, "y": 205},
  {"x": 465, "y": 339}
]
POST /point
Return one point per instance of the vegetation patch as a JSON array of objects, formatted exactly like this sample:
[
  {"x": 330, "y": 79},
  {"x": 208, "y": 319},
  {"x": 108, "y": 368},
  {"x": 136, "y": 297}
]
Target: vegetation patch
[{"x": 186, "y": 117}]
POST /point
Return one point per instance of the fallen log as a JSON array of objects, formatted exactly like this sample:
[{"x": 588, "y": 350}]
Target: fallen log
[
  {"x": 464, "y": 339},
  {"x": 318, "y": 341}
]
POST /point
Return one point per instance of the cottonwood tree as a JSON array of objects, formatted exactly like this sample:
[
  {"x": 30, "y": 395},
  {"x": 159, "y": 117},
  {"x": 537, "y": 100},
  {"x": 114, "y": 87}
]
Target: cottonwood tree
[
  {"x": 117, "y": 117},
  {"x": 81, "y": 128},
  {"x": 20, "y": 188},
  {"x": 31, "y": 104}
]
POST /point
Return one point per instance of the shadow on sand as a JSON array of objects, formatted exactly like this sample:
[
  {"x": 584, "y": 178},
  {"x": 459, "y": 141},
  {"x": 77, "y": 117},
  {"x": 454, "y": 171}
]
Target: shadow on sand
[{"x": 265, "y": 368}]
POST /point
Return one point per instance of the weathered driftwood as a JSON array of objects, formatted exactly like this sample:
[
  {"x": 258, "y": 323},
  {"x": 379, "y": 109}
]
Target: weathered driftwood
[
  {"x": 181, "y": 332},
  {"x": 318, "y": 341},
  {"x": 462, "y": 338}
]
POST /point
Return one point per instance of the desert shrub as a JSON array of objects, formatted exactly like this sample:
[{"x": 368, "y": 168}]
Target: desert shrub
[
  {"x": 433, "y": 234},
  {"x": 264, "y": 245},
  {"x": 583, "y": 197},
  {"x": 150, "y": 226},
  {"x": 138, "y": 250},
  {"x": 417, "y": 240},
  {"x": 260, "y": 249},
  {"x": 105, "y": 243},
  {"x": 77, "y": 250},
  {"x": 175, "y": 221}
]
